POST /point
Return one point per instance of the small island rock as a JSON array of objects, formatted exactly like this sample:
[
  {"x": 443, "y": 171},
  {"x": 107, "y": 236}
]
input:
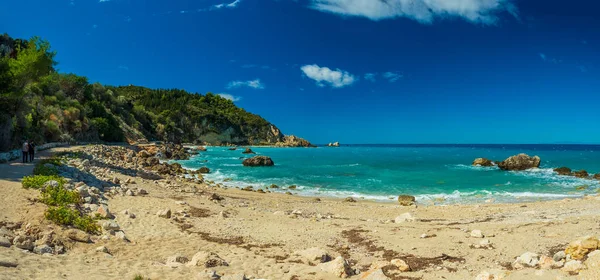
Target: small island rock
[
  {"x": 482, "y": 162},
  {"x": 258, "y": 161},
  {"x": 520, "y": 162}
]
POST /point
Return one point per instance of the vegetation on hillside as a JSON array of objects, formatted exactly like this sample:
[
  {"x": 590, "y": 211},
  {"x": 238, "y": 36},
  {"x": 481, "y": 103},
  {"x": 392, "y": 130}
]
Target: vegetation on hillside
[{"x": 44, "y": 105}]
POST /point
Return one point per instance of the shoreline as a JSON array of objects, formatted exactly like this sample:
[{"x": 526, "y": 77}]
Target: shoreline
[{"x": 279, "y": 236}]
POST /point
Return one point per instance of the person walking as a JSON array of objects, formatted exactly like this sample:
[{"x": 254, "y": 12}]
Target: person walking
[
  {"x": 25, "y": 151},
  {"x": 31, "y": 150}
]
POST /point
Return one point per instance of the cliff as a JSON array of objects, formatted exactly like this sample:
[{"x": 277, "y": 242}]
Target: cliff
[{"x": 47, "y": 106}]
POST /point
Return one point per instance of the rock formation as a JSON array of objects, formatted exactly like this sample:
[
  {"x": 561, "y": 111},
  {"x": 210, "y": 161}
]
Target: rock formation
[
  {"x": 293, "y": 141},
  {"x": 258, "y": 161},
  {"x": 483, "y": 162},
  {"x": 563, "y": 170},
  {"x": 520, "y": 162},
  {"x": 248, "y": 151}
]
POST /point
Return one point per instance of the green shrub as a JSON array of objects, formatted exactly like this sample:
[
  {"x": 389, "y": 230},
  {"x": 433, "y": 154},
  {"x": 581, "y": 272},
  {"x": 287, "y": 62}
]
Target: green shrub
[
  {"x": 55, "y": 160},
  {"x": 63, "y": 215},
  {"x": 59, "y": 196},
  {"x": 37, "y": 181},
  {"x": 41, "y": 169}
]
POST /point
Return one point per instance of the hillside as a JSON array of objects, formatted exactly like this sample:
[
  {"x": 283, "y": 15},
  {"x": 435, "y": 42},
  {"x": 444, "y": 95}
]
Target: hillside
[{"x": 41, "y": 104}]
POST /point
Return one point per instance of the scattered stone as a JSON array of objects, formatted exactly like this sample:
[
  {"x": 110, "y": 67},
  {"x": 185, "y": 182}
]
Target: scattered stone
[
  {"x": 406, "y": 200},
  {"x": 314, "y": 255},
  {"x": 482, "y": 162},
  {"x": 5, "y": 242},
  {"x": 116, "y": 181},
  {"x": 110, "y": 225},
  {"x": 102, "y": 249},
  {"x": 166, "y": 213},
  {"x": 215, "y": 197},
  {"x": 491, "y": 275},
  {"x": 378, "y": 264},
  {"x": 349, "y": 199},
  {"x": 376, "y": 274},
  {"x": 43, "y": 249},
  {"x": 579, "y": 248},
  {"x": 406, "y": 217},
  {"x": 573, "y": 266},
  {"x": 258, "y": 161},
  {"x": 593, "y": 260},
  {"x": 129, "y": 193},
  {"x": 207, "y": 259},
  {"x": 559, "y": 256},
  {"x": 8, "y": 263},
  {"x": 527, "y": 259},
  {"x": 338, "y": 267},
  {"x": 400, "y": 264},
  {"x": 237, "y": 276},
  {"x": 176, "y": 261},
  {"x": 477, "y": 233},
  {"x": 78, "y": 235},
  {"x": 23, "y": 242},
  {"x": 426, "y": 235},
  {"x": 546, "y": 262},
  {"x": 142, "y": 192},
  {"x": 103, "y": 212}
]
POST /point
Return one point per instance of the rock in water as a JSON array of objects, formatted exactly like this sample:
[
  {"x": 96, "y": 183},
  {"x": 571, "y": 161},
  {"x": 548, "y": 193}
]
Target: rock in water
[
  {"x": 483, "y": 162},
  {"x": 258, "y": 161},
  {"x": 520, "y": 162},
  {"x": 597, "y": 176},
  {"x": 204, "y": 170},
  {"x": 581, "y": 174},
  {"x": 406, "y": 200},
  {"x": 248, "y": 151},
  {"x": 563, "y": 170}
]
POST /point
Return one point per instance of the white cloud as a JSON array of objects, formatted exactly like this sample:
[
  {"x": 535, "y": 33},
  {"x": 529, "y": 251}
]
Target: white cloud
[
  {"x": 230, "y": 97},
  {"x": 225, "y": 5},
  {"x": 370, "y": 76},
  {"x": 545, "y": 58},
  {"x": 392, "y": 76},
  {"x": 123, "y": 67},
  {"x": 256, "y": 84},
  {"x": 95, "y": 26},
  {"x": 424, "y": 11},
  {"x": 323, "y": 75},
  {"x": 102, "y": 1}
]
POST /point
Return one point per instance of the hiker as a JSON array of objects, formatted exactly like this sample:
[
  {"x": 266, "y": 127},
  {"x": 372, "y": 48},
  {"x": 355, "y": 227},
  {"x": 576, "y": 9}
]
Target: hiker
[
  {"x": 31, "y": 151},
  {"x": 25, "y": 151}
]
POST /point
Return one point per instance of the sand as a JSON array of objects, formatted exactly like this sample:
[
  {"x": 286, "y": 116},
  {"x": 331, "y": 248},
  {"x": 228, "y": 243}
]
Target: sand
[{"x": 257, "y": 234}]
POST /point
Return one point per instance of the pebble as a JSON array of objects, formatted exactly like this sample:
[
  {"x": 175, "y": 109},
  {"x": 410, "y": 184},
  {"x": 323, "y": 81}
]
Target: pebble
[{"x": 477, "y": 233}]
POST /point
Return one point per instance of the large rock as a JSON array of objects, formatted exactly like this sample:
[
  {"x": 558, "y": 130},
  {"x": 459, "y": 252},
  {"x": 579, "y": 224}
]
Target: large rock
[
  {"x": 338, "y": 267},
  {"x": 406, "y": 200},
  {"x": 207, "y": 259},
  {"x": 166, "y": 213},
  {"x": 581, "y": 174},
  {"x": 314, "y": 255},
  {"x": 563, "y": 171},
  {"x": 23, "y": 242},
  {"x": 579, "y": 248},
  {"x": 597, "y": 176},
  {"x": 176, "y": 261},
  {"x": 78, "y": 235},
  {"x": 573, "y": 266},
  {"x": 293, "y": 141},
  {"x": 43, "y": 249},
  {"x": 527, "y": 259},
  {"x": 248, "y": 151},
  {"x": 400, "y": 264},
  {"x": 483, "y": 162},
  {"x": 520, "y": 162},
  {"x": 258, "y": 161}
]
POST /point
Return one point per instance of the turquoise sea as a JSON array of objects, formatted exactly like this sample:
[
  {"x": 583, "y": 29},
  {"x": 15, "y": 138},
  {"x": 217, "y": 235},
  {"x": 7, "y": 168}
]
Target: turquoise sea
[{"x": 433, "y": 173}]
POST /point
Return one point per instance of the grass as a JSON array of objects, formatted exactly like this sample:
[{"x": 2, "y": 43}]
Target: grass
[
  {"x": 140, "y": 277},
  {"x": 38, "y": 181}
]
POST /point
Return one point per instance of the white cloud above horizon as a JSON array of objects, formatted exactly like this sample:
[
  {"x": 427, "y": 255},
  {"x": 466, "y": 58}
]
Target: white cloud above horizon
[
  {"x": 324, "y": 75},
  {"x": 255, "y": 84},
  {"x": 230, "y": 97},
  {"x": 423, "y": 11},
  {"x": 392, "y": 76},
  {"x": 226, "y": 5},
  {"x": 370, "y": 77}
]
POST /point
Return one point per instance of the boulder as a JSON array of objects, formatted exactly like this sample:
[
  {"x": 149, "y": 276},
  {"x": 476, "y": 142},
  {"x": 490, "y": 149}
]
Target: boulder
[
  {"x": 204, "y": 170},
  {"x": 406, "y": 200},
  {"x": 176, "y": 261},
  {"x": 43, "y": 249},
  {"x": 406, "y": 217},
  {"x": 520, "y": 162},
  {"x": 110, "y": 225},
  {"x": 400, "y": 264},
  {"x": 563, "y": 171},
  {"x": 527, "y": 259},
  {"x": 349, "y": 199},
  {"x": 573, "y": 266},
  {"x": 376, "y": 274},
  {"x": 103, "y": 211},
  {"x": 579, "y": 248},
  {"x": 581, "y": 174},
  {"x": 476, "y": 233},
  {"x": 78, "y": 235},
  {"x": 207, "y": 259},
  {"x": 338, "y": 267},
  {"x": 314, "y": 255},
  {"x": 23, "y": 242},
  {"x": 483, "y": 162},
  {"x": 166, "y": 213},
  {"x": 248, "y": 151},
  {"x": 258, "y": 161},
  {"x": 593, "y": 260},
  {"x": 5, "y": 242}
]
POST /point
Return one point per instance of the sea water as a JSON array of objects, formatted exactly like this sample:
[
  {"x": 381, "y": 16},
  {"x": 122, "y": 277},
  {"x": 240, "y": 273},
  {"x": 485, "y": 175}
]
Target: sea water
[{"x": 439, "y": 174}]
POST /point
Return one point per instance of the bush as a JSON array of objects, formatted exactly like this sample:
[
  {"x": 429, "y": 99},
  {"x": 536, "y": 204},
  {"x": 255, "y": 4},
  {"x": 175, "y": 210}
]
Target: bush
[
  {"x": 38, "y": 181},
  {"x": 70, "y": 217},
  {"x": 41, "y": 169},
  {"x": 59, "y": 196}
]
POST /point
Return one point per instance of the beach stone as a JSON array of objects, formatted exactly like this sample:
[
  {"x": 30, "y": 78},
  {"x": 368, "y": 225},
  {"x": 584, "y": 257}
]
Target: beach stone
[
  {"x": 116, "y": 180},
  {"x": 573, "y": 266},
  {"x": 78, "y": 235},
  {"x": 593, "y": 260},
  {"x": 102, "y": 249},
  {"x": 559, "y": 256},
  {"x": 207, "y": 259},
  {"x": 527, "y": 259},
  {"x": 378, "y": 264},
  {"x": 546, "y": 262},
  {"x": 5, "y": 262},
  {"x": 477, "y": 233},
  {"x": 494, "y": 275},
  {"x": 23, "y": 242},
  {"x": 258, "y": 161},
  {"x": 237, "y": 276},
  {"x": 338, "y": 267},
  {"x": 104, "y": 212},
  {"x": 482, "y": 162},
  {"x": 400, "y": 264},
  {"x": 563, "y": 171},
  {"x": 406, "y": 217},
  {"x": 376, "y": 274},
  {"x": 349, "y": 199},
  {"x": 520, "y": 162},
  {"x": 176, "y": 260},
  {"x": 204, "y": 170},
  {"x": 579, "y": 248},
  {"x": 110, "y": 225},
  {"x": 43, "y": 249},
  {"x": 5, "y": 242},
  {"x": 166, "y": 213},
  {"x": 406, "y": 200},
  {"x": 314, "y": 255}
]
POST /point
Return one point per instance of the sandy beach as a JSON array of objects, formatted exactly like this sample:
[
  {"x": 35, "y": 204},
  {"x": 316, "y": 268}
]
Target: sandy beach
[{"x": 238, "y": 234}]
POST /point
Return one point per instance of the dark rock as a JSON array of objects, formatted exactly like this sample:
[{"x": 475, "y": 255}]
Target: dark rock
[
  {"x": 406, "y": 200},
  {"x": 292, "y": 187},
  {"x": 563, "y": 170},
  {"x": 204, "y": 170},
  {"x": 520, "y": 162},
  {"x": 482, "y": 162},
  {"x": 248, "y": 151},
  {"x": 248, "y": 188},
  {"x": 232, "y": 149},
  {"x": 597, "y": 176},
  {"x": 349, "y": 199},
  {"x": 581, "y": 174},
  {"x": 273, "y": 186},
  {"x": 258, "y": 161},
  {"x": 215, "y": 197}
]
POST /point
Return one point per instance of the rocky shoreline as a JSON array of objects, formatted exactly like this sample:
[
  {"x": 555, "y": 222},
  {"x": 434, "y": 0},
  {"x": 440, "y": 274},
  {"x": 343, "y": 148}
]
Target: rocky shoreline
[{"x": 162, "y": 221}]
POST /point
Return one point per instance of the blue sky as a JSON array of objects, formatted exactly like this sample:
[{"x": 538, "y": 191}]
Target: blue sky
[{"x": 354, "y": 71}]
